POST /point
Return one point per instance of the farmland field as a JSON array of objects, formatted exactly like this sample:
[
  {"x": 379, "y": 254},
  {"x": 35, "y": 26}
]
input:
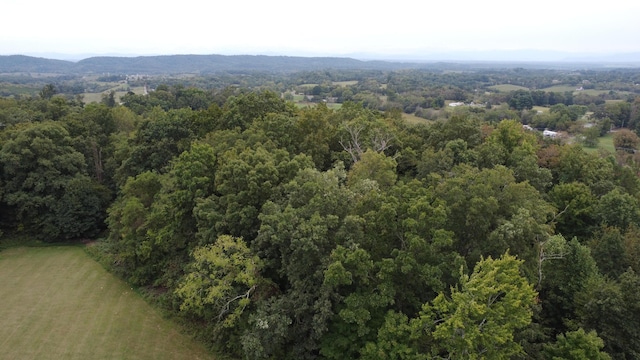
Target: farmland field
[
  {"x": 58, "y": 303},
  {"x": 507, "y": 87}
]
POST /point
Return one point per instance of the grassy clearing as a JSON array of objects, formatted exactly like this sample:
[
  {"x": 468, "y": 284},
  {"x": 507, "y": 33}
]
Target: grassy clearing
[
  {"x": 305, "y": 104},
  {"x": 12, "y": 89},
  {"x": 89, "y": 98},
  {"x": 507, "y": 87},
  {"x": 604, "y": 143},
  {"x": 593, "y": 92},
  {"x": 414, "y": 120},
  {"x": 345, "y": 83},
  {"x": 559, "y": 88},
  {"x": 541, "y": 109},
  {"x": 57, "y": 303},
  {"x": 97, "y": 97}
]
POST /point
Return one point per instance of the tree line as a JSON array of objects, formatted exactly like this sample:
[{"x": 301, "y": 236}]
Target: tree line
[{"x": 310, "y": 233}]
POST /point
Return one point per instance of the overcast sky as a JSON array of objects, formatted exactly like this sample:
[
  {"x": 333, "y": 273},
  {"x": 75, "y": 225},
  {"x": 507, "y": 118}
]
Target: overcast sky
[{"x": 321, "y": 27}]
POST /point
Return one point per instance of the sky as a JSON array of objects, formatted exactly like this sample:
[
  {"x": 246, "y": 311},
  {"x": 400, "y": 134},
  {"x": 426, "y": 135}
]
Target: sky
[{"x": 376, "y": 29}]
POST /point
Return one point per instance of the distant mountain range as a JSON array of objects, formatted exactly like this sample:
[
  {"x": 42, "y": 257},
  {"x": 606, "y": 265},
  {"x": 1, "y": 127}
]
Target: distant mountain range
[
  {"x": 204, "y": 64},
  {"x": 181, "y": 64}
]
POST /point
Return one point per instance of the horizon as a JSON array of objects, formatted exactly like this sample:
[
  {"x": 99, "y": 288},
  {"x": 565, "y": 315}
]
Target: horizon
[
  {"x": 515, "y": 56},
  {"x": 406, "y": 30}
]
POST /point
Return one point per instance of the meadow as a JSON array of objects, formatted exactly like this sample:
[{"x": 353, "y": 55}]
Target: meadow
[{"x": 58, "y": 303}]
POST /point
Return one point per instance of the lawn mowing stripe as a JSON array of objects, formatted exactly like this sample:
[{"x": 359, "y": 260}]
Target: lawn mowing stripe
[{"x": 60, "y": 304}]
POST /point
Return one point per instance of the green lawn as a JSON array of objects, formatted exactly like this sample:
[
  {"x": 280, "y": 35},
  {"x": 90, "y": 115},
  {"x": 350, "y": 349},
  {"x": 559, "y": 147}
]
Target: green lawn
[
  {"x": 58, "y": 303},
  {"x": 604, "y": 143}
]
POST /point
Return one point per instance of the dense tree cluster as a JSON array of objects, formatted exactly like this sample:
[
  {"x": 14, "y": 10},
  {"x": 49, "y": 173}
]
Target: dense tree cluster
[{"x": 311, "y": 233}]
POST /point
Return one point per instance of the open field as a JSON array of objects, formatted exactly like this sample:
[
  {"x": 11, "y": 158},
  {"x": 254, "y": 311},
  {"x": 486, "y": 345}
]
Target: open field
[
  {"x": 57, "y": 303},
  {"x": 97, "y": 97},
  {"x": 507, "y": 87},
  {"x": 304, "y": 104},
  {"x": 346, "y": 83},
  {"x": 414, "y": 120},
  {"x": 594, "y": 92},
  {"x": 560, "y": 88},
  {"x": 543, "y": 109},
  {"x": 12, "y": 89}
]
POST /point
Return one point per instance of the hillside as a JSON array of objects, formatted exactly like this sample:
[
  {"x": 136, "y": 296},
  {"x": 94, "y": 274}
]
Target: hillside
[
  {"x": 21, "y": 63},
  {"x": 180, "y": 64},
  {"x": 208, "y": 64}
]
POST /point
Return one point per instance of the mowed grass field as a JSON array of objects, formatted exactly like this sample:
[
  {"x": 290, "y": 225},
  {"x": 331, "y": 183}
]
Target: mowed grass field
[{"x": 58, "y": 303}]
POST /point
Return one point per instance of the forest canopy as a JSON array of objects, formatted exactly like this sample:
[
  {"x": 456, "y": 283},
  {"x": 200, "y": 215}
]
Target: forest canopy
[{"x": 314, "y": 232}]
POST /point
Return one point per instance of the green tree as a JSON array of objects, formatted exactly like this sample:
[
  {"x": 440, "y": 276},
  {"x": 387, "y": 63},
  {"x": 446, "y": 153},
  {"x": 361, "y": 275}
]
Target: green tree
[
  {"x": 575, "y": 165},
  {"x": 46, "y": 188},
  {"x": 619, "y": 209},
  {"x": 610, "y": 307},
  {"x": 157, "y": 141},
  {"x": 625, "y": 139},
  {"x": 296, "y": 237},
  {"x": 479, "y": 318},
  {"x": 591, "y": 136},
  {"x": 562, "y": 280},
  {"x": 109, "y": 99},
  {"x": 128, "y": 228},
  {"x": 489, "y": 212},
  {"x": 48, "y": 91},
  {"x": 576, "y": 345},
  {"x": 316, "y": 134},
  {"x": 220, "y": 281},
  {"x": 240, "y": 111},
  {"x": 576, "y": 209},
  {"x": 457, "y": 127},
  {"x": 92, "y": 128},
  {"x": 521, "y": 100},
  {"x": 374, "y": 166},
  {"x": 245, "y": 179},
  {"x": 607, "y": 248}
]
